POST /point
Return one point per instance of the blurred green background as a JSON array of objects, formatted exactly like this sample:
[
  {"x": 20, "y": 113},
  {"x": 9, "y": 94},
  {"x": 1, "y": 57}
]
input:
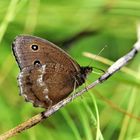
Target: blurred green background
[{"x": 76, "y": 26}]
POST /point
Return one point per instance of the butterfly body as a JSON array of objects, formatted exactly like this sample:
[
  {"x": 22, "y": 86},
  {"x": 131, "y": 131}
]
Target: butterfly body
[{"x": 47, "y": 73}]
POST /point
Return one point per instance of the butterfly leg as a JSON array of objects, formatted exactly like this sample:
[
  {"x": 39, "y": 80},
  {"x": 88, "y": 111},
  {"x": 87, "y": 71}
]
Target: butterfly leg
[
  {"x": 74, "y": 87},
  {"x": 49, "y": 103}
]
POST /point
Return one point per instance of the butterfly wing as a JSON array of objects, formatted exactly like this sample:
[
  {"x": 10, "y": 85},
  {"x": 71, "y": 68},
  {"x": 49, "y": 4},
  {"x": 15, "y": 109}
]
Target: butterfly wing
[
  {"x": 47, "y": 52},
  {"x": 47, "y": 72}
]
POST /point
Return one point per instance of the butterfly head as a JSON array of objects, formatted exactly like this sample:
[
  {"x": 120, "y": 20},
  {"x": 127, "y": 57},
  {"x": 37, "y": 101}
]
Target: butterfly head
[{"x": 86, "y": 70}]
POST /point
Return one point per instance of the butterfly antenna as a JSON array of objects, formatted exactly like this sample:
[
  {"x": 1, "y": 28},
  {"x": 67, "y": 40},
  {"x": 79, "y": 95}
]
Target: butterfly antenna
[
  {"x": 97, "y": 55},
  {"x": 95, "y": 59}
]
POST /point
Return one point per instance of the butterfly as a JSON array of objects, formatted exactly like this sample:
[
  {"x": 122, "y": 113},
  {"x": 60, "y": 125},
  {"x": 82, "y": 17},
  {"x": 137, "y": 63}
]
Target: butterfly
[{"x": 47, "y": 73}]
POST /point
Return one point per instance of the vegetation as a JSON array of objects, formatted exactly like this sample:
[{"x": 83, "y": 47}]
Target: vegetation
[{"x": 77, "y": 26}]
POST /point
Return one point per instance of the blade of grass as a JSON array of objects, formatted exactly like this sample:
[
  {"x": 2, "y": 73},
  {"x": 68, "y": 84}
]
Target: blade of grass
[
  {"x": 8, "y": 17},
  {"x": 30, "y": 23},
  {"x": 126, "y": 120},
  {"x": 90, "y": 112},
  {"x": 83, "y": 116},
  {"x": 99, "y": 135},
  {"x": 71, "y": 124}
]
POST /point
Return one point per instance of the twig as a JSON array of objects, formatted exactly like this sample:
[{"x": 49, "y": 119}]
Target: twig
[{"x": 41, "y": 116}]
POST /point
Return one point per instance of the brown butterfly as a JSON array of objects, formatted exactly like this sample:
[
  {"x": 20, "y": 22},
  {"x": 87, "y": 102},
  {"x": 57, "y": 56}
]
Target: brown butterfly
[{"x": 47, "y": 73}]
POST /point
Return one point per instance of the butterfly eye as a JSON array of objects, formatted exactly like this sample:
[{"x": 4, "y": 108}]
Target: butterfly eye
[
  {"x": 34, "y": 47},
  {"x": 37, "y": 63}
]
